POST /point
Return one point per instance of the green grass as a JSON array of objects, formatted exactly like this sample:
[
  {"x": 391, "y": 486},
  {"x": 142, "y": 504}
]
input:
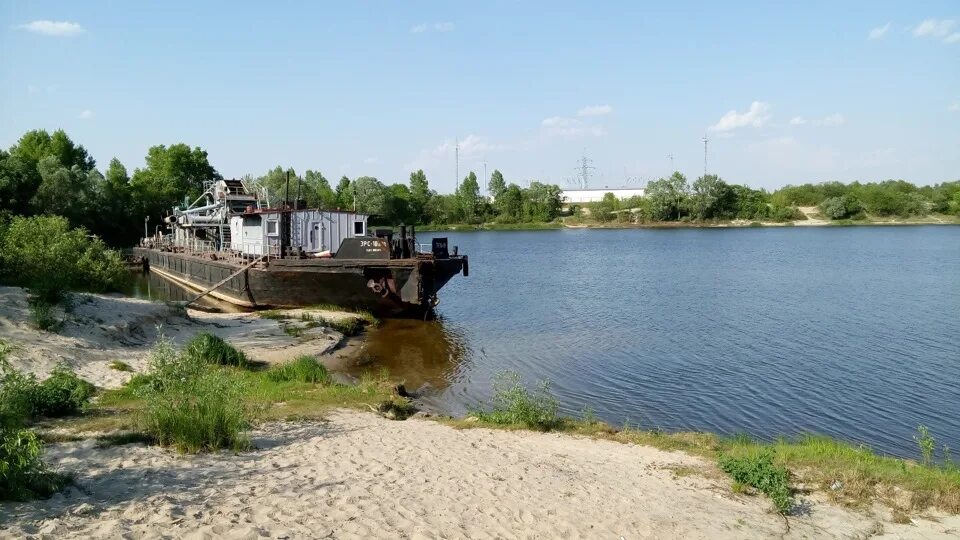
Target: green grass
[
  {"x": 304, "y": 369},
  {"x": 61, "y": 394},
  {"x": 44, "y": 316},
  {"x": 348, "y": 326},
  {"x": 212, "y": 349},
  {"x": 514, "y": 404},
  {"x": 120, "y": 365}
]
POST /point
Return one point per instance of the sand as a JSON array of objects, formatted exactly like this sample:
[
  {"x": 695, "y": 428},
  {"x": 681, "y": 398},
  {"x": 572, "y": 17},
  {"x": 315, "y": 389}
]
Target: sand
[
  {"x": 100, "y": 329},
  {"x": 361, "y": 476}
]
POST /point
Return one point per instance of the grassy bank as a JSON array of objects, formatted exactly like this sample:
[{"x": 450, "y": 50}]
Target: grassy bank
[
  {"x": 850, "y": 475},
  {"x": 492, "y": 226}
]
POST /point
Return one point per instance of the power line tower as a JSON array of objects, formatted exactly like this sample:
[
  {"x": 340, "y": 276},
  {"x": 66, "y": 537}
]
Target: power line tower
[
  {"x": 583, "y": 171},
  {"x": 486, "y": 178},
  {"x": 456, "y": 177}
]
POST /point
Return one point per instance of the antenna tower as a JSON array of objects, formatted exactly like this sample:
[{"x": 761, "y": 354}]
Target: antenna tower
[
  {"x": 704, "y": 155},
  {"x": 456, "y": 177}
]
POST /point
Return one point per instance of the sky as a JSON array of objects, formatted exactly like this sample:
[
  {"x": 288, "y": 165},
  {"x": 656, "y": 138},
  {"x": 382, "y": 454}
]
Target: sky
[{"x": 783, "y": 92}]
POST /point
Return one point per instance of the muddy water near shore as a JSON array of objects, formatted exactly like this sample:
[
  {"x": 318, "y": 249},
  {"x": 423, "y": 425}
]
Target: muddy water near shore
[{"x": 851, "y": 332}]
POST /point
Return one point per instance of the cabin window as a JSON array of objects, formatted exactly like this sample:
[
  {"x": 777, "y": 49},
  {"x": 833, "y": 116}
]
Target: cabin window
[
  {"x": 271, "y": 227},
  {"x": 358, "y": 228}
]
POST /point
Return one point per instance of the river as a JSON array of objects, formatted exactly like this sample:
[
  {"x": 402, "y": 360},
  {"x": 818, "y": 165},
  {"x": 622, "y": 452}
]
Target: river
[{"x": 852, "y": 332}]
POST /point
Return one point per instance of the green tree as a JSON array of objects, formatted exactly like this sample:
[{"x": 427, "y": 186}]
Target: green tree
[
  {"x": 712, "y": 198},
  {"x": 419, "y": 196},
  {"x": 468, "y": 198},
  {"x": 317, "y": 191},
  {"x": 397, "y": 205},
  {"x": 604, "y": 209},
  {"x": 497, "y": 183},
  {"x": 35, "y": 145},
  {"x": 171, "y": 174},
  {"x": 64, "y": 191},
  {"x": 842, "y": 207},
  {"x": 370, "y": 195},
  {"x": 542, "y": 202},
  {"x": 667, "y": 197},
  {"x": 117, "y": 225},
  {"x": 509, "y": 204},
  {"x": 344, "y": 194}
]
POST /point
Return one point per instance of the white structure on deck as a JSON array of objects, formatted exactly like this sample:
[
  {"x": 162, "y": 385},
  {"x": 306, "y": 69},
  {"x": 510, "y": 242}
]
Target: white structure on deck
[
  {"x": 258, "y": 232},
  {"x": 580, "y": 196}
]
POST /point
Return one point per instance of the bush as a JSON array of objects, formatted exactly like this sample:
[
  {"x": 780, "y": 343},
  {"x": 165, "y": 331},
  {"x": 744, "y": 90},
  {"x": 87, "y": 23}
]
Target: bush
[
  {"x": 212, "y": 349},
  {"x": 45, "y": 255},
  {"x": 23, "y": 475},
  {"x": 43, "y": 315},
  {"x": 514, "y": 404},
  {"x": 759, "y": 471},
  {"x": 843, "y": 207},
  {"x": 304, "y": 369},
  {"x": 190, "y": 404},
  {"x": 61, "y": 394}
]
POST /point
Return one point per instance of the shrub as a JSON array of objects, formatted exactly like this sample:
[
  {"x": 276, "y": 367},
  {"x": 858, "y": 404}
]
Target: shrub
[
  {"x": 43, "y": 315},
  {"x": 515, "y": 404},
  {"x": 190, "y": 404},
  {"x": 842, "y": 207},
  {"x": 120, "y": 365},
  {"x": 304, "y": 369},
  {"x": 45, "y": 255},
  {"x": 214, "y": 350},
  {"x": 22, "y": 474},
  {"x": 61, "y": 394},
  {"x": 759, "y": 471}
]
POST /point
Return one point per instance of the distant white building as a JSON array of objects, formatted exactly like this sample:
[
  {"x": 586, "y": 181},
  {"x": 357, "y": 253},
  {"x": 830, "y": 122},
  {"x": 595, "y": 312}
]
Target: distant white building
[{"x": 580, "y": 196}]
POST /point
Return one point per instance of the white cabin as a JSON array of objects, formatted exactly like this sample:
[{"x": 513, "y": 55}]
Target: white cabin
[{"x": 312, "y": 230}]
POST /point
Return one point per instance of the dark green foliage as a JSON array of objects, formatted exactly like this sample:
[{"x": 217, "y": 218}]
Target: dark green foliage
[
  {"x": 43, "y": 315},
  {"x": 212, "y": 349},
  {"x": 304, "y": 369},
  {"x": 843, "y": 207},
  {"x": 45, "y": 255},
  {"x": 61, "y": 394},
  {"x": 758, "y": 470},
  {"x": 514, "y": 404}
]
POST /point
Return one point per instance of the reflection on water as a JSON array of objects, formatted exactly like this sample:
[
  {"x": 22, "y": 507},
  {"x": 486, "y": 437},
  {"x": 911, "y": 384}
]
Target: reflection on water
[
  {"x": 425, "y": 355},
  {"x": 151, "y": 286}
]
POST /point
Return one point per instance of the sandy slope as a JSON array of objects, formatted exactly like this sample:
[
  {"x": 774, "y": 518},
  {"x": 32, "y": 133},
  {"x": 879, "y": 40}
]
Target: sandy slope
[
  {"x": 102, "y": 328},
  {"x": 361, "y": 476}
]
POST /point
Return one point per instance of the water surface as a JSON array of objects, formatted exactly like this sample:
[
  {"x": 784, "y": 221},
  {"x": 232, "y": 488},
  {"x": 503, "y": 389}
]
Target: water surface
[{"x": 853, "y": 332}]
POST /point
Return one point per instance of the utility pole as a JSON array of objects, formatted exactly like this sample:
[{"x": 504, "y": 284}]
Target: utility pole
[
  {"x": 457, "y": 177},
  {"x": 672, "y": 168},
  {"x": 485, "y": 175},
  {"x": 704, "y": 155}
]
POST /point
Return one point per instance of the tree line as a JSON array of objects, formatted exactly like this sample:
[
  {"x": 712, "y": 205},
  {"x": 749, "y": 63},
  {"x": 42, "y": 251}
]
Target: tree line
[
  {"x": 709, "y": 198},
  {"x": 49, "y": 174}
]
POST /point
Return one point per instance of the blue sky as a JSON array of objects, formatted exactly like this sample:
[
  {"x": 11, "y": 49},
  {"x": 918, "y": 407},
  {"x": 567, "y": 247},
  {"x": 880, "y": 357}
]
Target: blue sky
[{"x": 810, "y": 91}]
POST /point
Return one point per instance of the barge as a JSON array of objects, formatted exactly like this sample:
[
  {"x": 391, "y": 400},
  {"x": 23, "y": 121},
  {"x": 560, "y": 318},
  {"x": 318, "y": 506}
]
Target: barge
[{"x": 232, "y": 246}]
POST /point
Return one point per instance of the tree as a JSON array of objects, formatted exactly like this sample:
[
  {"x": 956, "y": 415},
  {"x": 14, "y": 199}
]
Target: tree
[
  {"x": 667, "y": 196},
  {"x": 419, "y": 196},
  {"x": 542, "y": 202},
  {"x": 604, "y": 209},
  {"x": 63, "y": 191},
  {"x": 712, "y": 198},
  {"x": 497, "y": 184},
  {"x": 344, "y": 194},
  {"x": 317, "y": 191},
  {"x": 370, "y": 195},
  {"x": 397, "y": 205},
  {"x": 509, "y": 204},
  {"x": 38, "y": 144},
  {"x": 468, "y": 197},
  {"x": 171, "y": 174},
  {"x": 118, "y": 225},
  {"x": 18, "y": 182},
  {"x": 841, "y": 207}
]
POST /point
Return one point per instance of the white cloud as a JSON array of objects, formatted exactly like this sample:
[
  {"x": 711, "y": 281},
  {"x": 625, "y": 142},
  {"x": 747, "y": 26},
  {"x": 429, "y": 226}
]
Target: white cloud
[
  {"x": 563, "y": 126},
  {"x": 53, "y": 28},
  {"x": 595, "y": 110},
  {"x": 954, "y": 107},
  {"x": 835, "y": 119},
  {"x": 445, "y": 26},
  {"x": 798, "y": 121},
  {"x": 938, "y": 29},
  {"x": 86, "y": 114},
  {"x": 879, "y": 32},
  {"x": 757, "y": 116}
]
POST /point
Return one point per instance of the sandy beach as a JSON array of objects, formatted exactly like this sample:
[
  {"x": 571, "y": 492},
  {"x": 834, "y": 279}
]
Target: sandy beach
[{"x": 361, "y": 476}]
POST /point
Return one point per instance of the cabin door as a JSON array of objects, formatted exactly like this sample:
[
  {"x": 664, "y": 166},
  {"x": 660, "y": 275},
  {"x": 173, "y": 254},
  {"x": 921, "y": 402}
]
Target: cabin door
[{"x": 315, "y": 244}]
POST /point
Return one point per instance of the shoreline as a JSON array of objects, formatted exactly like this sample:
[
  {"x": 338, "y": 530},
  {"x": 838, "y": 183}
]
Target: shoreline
[{"x": 307, "y": 473}]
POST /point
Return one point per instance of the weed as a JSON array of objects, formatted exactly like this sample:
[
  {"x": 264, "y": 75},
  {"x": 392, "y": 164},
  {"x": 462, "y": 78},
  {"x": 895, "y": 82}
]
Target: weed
[
  {"x": 514, "y": 404},
  {"x": 120, "y": 365},
  {"x": 926, "y": 443},
  {"x": 214, "y": 350},
  {"x": 304, "y": 369},
  {"x": 759, "y": 471}
]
